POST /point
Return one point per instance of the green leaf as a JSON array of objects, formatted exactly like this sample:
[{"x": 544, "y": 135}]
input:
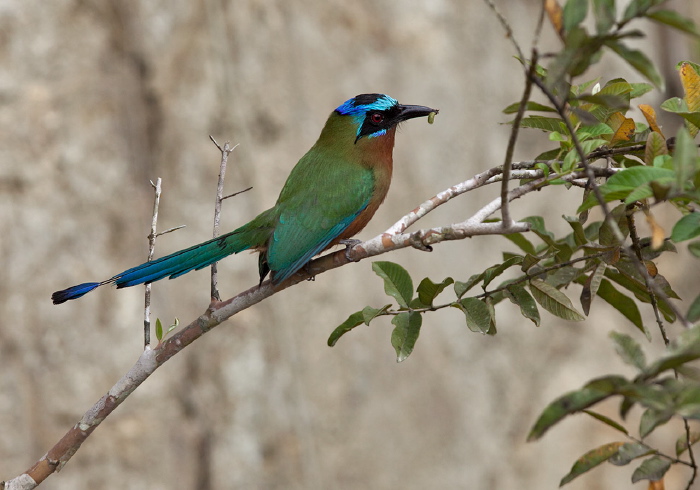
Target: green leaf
[
  {"x": 607, "y": 421},
  {"x": 637, "y": 60},
  {"x": 554, "y": 301},
  {"x": 577, "y": 227},
  {"x": 477, "y": 314},
  {"x": 629, "y": 350},
  {"x": 680, "y": 107},
  {"x": 520, "y": 297},
  {"x": 656, "y": 145},
  {"x": 638, "y": 8},
  {"x": 685, "y": 348},
  {"x": 574, "y": 13},
  {"x": 609, "y": 102},
  {"x": 621, "y": 303},
  {"x": 544, "y": 123},
  {"x": 159, "y": 330},
  {"x": 462, "y": 287},
  {"x": 688, "y": 402},
  {"x": 596, "y": 390},
  {"x": 591, "y": 286},
  {"x": 639, "y": 89},
  {"x": 630, "y": 451},
  {"x": 685, "y": 158},
  {"x": 651, "y": 419},
  {"x": 652, "y": 469},
  {"x": 397, "y": 281},
  {"x": 353, "y": 321},
  {"x": 172, "y": 327},
  {"x": 530, "y": 106},
  {"x": 620, "y": 185},
  {"x": 428, "y": 290},
  {"x": 694, "y": 310},
  {"x": 522, "y": 242},
  {"x": 694, "y": 248},
  {"x": 493, "y": 272},
  {"x": 405, "y": 334},
  {"x": 590, "y": 460},
  {"x": 489, "y": 302},
  {"x": 683, "y": 443},
  {"x": 604, "y": 12},
  {"x": 674, "y": 19},
  {"x": 538, "y": 228},
  {"x": 369, "y": 313},
  {"x": 686, "y": 228}
]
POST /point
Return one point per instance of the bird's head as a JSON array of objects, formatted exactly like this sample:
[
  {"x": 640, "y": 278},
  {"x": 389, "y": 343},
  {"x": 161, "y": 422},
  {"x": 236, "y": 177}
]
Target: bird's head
[{"x": 374, "y": 115}]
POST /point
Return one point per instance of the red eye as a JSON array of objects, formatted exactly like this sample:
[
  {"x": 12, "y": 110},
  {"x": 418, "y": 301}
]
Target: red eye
[{"x": 376, "y": 117}]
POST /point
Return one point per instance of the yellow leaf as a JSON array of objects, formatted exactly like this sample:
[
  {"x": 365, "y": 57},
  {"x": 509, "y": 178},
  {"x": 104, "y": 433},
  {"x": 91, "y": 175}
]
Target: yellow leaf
[
  {"x": 555, "y": 14},
  {"x": 691, "y": 85},
  {"x": 650, "y": 116},
  {"x": 657, "y": 234},
  {"x": 622, "y": 126}
]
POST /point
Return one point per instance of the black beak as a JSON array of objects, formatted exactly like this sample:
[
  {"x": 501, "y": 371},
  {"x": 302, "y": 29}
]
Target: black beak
[{"x": 410, "y": 111}]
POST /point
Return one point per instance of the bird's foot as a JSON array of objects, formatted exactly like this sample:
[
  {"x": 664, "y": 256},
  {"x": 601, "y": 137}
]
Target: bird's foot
[
  {"x": 307, "y": 268},
  {"x": 417, "y": 241},
  {"x": 349, "y": 244}
]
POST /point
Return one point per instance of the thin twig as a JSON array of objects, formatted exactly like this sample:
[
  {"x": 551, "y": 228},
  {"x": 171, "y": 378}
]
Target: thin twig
[
  {"x": 151, "y": 249},
  {"x": 506, "y": 27},
  {"x": 236, "y": 193},
  {"x": 505, "y": 209},
  {"x": 636, "y": 246},
  {"x": 225, "y": 151},
  {"x": 691, "y": 454},
  {"x": 170, "y": 230}
]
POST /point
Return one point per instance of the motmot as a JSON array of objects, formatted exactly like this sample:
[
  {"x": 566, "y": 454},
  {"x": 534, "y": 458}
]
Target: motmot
[{"x": 329, "y": 196}]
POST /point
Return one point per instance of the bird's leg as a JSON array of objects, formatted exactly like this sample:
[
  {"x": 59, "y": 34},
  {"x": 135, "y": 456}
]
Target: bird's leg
[{"x": 349, "y": 244}]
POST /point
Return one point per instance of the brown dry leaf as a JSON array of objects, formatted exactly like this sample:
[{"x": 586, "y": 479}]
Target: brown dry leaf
[
  {"x": 556, "y": 16},
  {"x": 651, "y": 268},
  {"x": 622, "y": 126},
  {"x": 650, "y": 116},
  {"x": 657, "y": 233},
  {"x": 656, "y": 485}
]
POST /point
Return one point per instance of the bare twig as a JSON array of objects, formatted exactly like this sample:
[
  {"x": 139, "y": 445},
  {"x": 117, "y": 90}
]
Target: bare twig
[
  {"x": 505, "y": 213},
  {"x": 225, "y": 151},
  {"x": 236, "y": 193},
  {"x": 170, "y": 230},
  {"x": 506, "y": 27},
  {"x": 151, "y": 249}
]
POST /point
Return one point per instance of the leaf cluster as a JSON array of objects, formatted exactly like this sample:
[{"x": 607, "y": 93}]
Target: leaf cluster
[
  {"x": 655, "y": 389},
  {"x": 590, "y": 126}
]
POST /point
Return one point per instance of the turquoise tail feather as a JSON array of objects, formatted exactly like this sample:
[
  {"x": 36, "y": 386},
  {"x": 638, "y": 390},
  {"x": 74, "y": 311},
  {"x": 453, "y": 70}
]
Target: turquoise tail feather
[{"x": 175, "y": 264}]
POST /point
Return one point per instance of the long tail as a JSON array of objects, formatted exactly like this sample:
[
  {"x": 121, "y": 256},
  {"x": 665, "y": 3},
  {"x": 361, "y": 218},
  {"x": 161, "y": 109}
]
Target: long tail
[{"x": 173, "y": 265}]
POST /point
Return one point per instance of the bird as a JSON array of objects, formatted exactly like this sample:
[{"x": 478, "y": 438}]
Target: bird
[{"x": 330, "y": 196}]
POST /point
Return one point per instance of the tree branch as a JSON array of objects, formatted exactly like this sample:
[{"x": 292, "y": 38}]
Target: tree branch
[{"x": 219, "y": 311}]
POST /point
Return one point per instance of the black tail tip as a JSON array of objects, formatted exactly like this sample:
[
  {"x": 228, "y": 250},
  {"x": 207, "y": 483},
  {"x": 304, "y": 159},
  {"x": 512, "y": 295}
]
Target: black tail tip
[{"x": 74, "y": 292}]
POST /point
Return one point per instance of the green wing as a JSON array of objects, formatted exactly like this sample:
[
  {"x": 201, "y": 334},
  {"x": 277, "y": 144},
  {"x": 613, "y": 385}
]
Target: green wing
[{"x": 320, "y": 199}]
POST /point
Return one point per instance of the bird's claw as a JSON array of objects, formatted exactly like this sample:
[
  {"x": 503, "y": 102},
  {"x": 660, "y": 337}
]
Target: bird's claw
[
  {"x": 349, "y": 244},
  {"x": 416, "y": 241}
]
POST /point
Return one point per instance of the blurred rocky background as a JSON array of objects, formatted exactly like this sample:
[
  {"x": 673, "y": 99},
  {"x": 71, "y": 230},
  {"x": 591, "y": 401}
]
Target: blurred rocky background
[{"x": 98, "y": 97}]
